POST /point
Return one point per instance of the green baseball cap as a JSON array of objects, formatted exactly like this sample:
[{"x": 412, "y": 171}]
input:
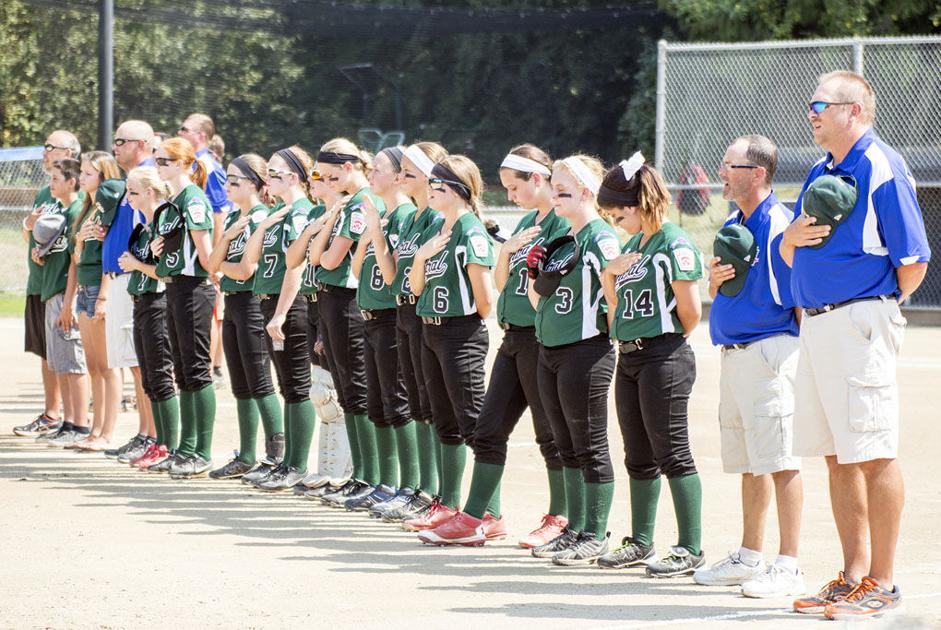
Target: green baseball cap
[
  {"x": 108, "y": 197},
  {"x": 830, "y": 199},
  {"x": 735, "y": 245}
]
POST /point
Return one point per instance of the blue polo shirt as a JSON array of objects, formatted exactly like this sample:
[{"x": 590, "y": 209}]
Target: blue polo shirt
[
  {"x": 215, "y": 181},
  {"x": 115, "y": 243},
  {"x": 764, "y": 307},
  {"x": 885, "y": 230}
]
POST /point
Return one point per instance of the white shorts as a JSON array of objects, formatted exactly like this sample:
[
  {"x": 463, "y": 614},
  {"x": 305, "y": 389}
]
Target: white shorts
[
  {"x": 119, "y": 324},
  {"x": 756, "y": 406},
  {"x": 847, "y": 395}
]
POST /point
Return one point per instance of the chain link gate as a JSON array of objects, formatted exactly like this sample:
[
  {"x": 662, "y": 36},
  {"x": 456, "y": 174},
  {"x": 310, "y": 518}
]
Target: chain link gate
[
  {"x": 21, "y": 176},
  {"x": 708, "y": 94}
]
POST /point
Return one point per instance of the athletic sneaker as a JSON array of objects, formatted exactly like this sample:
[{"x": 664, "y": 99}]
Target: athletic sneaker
[
  {"x": 40, "y": 426},
  {"x": 730, "y": 571},
  {"x": 401, "y": 497},
  {"x": 156, "y": 454},
  {"x": 45, "y": 438},
  {"x": 630, "y": 554},
  {"x": 775, "y": 581},
  {"x": 494, "y": 528},
  {"x": 353, "y": 496},
  {"x": 316, "y": 494},
  {"x": 164, "y": 464},
  {"x": 281, "y": 479},
  {"x": 258, "y": 473},
  {"x": 680, "y": 561},
  {"x": 68, "y": 439},
  {"x": 137, "y": 451},
  {"x": 586, "y": 549},
  {"x": 437, "y": 514},
  {"x": 461, "y": 529},
  {"x": 190, "y": 467},
  {"x": 866, "y": 600},
  {"x": 550, "y": 528},
  {"x": 379, "y": 494},
  {"x": 415, "y": 506},
  {"x": 152, "y": 446},
  {"x": 833, "y": 591},
  {"x": 111, "y": 453},
  {"x": 563, "y": 541},
  {"x": 232, "y": 470},
  {"x": 350, "y": 488},
  {"x": 315, "y": 480}
]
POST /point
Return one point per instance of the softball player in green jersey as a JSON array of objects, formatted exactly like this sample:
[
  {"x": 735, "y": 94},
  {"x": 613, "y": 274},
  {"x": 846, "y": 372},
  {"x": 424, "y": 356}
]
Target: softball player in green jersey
[
  {"x": 653, "y": 305},
  {"x": 343, "y": 166},
  {"x": 285, "y": 310},
  {"x": 145, "y": 193},
  {"x": 576, "y": 360},
  {"x": 386, "y": 399},
  {"x": 451, "y": 277},
  {"x": 243, "y": 325},
  {"x": 101, "y": 180},
  {"x": 184, "y": 246}
]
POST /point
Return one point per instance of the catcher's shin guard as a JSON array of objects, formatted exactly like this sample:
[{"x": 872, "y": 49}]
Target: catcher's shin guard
[{"x": 334, "y": 462}]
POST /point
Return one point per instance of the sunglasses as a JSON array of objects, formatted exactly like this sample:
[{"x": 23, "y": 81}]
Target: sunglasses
[
  {"x": 728, "y": 166},
  {"x": 234, "y": 179},
  {"x": 120, "y": 142},
  {"x": 317, "y": 176},
  {"x": 52, "y": 147},
  {"x": 162, "y": 161},
  {"x": 438, "y": 184},
  {"x": 279, "y": 175},
  {"x": 818, "y": 107}
]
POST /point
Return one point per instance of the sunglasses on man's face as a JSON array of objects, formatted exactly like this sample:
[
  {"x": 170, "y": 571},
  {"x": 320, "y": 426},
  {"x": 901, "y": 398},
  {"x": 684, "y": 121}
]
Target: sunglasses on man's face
[
  {"x": 51, "y": 147},
  {"x": 818, "y": 107},
  {"x": 162, "y": 161},
  {"x": 120, "y": 142}
]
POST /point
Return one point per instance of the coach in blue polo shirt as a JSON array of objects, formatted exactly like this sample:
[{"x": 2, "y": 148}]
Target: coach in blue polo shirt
[
  {"x": 754, "y": 321},
  {"x": 849, "y": 277}
]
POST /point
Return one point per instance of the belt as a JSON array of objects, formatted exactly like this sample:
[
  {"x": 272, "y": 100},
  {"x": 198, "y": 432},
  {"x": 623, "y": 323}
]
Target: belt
[
  {"x": 329, "y": 288},
  {"x": 310, "y": 297},
  {"x": 442, "y": 321},
  {"x": 115, "y": 274},
  {"x": 228, "y": 293},
  {"x": 401, "y": 300},
  {"x": 737, "y": 346},
  {"x": 514, "y": 328},
  {"x": 267, "y": 296},
  {"x": 369, "y": 315},
  {"x": 826, "y": 308},
  {"x": 641, "y": 343},
  {"x": 166, "y": 279}
]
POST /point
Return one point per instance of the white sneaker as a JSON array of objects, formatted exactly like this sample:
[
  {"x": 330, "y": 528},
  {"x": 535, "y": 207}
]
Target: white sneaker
[
  {"x": 775, "y": 582},
  {"x": 729, "y": 571}
]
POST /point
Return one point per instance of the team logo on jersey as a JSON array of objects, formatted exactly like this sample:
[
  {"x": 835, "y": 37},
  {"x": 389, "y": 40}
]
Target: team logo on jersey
[
  {"x": 558, "y": 263},
  {"x": 609, "y": 247},
  {"x": 197, "y": 210},
  {"x": 480, "y": 245},
  {"x": 685, "y": 258},
  {"x": 408, "y": 247},
  {"x": 436, "y": 267},
  {"x": 299, "y": 222},
  {"x": 637, "y": 271},
  {"x": 521, "y": 254},
  {"x": 271, "y": 236},
  {"x": 357, "y": 222},
  {"x": 50, "y": 207},
  {"x": 237, "y": 246}
]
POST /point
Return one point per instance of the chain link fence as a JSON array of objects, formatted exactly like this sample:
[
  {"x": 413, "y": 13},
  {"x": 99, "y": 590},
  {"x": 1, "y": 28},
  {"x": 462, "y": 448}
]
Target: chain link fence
[
  {"x": 21, "y": 176},
  {"x": 708, "y": 94}
]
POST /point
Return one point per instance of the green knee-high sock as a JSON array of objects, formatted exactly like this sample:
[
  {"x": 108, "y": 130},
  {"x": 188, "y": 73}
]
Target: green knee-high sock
[
  {"x": 187, "y": 422},
  {"x": 598, "y": 499},
  {"x": 493, "y": 508},
  {"x": 271, "y": 417},
  {"x": 303, "y": 418},
  {"x": 388, "y": 456},
  {"x": 645, "y": 493},
  {"x": 366, "y": 432},
  {"x": 247, "y": 412},
  {"x": 485, "y": 483},
  {"x": 158, "y": 423},
  {"x": 406, "y": 443},
  {"x": 439, "y": 451},
  {"x": 575, "y": 498},
  {"x": 351, "y": 434},
  {"x": 687, "y": 503},
  {"x": 205, "y": 403},
  {"x": 454, "y": 457},
  {"x": 170, "y": 415},
  {"x": 427, "y": 458},
  {"x": 556, "y": 492}
]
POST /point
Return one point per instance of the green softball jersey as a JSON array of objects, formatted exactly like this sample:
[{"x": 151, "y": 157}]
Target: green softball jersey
[
  {"x": 46, "y": 204},
  {"x": 55, "y": 270},
  {"x": 513, "y": 305},
  {"x": 448, "y": 291},
  {"x": 88, "y": 270},
  {"x": 646, "y": 304},
  {"x": 351, "y": 223},
  {"x": 411, "y": 236},
  {"x": 373, "y": 292},
  {"x": 197, "y": 215},
  {"x": 237, "y": 246},
  {"x": 269, "y": 276},
  {"x": 576, "y": 310},
  {"x": 309, "y": 284},
  {"x": 140, "y": 283}
]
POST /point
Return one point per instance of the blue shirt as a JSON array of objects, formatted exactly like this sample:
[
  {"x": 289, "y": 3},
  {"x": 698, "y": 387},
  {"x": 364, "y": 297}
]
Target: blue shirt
[
  {"x": 115, "y": 243},
  {"x": 215, "y": 181},
  {"x": 885, "y": 230},
  {"x": 764, "y": 307}
]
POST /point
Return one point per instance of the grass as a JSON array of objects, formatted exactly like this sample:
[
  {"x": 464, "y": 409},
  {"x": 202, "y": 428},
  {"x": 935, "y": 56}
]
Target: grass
[{"x": 12, "y": 305}]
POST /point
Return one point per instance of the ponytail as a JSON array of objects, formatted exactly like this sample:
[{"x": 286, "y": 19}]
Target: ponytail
[{"x": 199, "y": 175}]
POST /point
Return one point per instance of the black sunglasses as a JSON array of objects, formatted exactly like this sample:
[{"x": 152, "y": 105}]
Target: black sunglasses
[
  {"x": 120, "y": 142},
  {"x": 438, "y": 184},
  {"x": 52, "y": 147},
  {"x": 162, "y": 161},
  {"x": 234, "y": 179}
]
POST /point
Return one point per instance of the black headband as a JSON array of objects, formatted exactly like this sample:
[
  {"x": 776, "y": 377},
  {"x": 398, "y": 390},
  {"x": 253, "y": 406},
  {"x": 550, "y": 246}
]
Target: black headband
[
  {"x": 443, "y": 172},
  {"x": 331, "y": 157},
  {"x": 395, "y": 156},
  {"x": 248, "y": 172},
  {"x": 293, "y": 163},
  {"x": 617, "y": 198}
]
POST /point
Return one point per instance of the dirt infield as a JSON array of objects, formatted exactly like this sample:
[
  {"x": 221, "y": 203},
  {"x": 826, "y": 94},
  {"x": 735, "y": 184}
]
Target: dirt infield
[{"x": 88, "y": 543}]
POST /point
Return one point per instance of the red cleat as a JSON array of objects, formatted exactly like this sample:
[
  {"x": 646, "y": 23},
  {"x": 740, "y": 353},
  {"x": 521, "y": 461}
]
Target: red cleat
[
  {"x": 550, "y": 529},
  {"x": 158, "y": 453},
  {"x": 460, "y": 529},
  {"x": 437, "y": 514}
]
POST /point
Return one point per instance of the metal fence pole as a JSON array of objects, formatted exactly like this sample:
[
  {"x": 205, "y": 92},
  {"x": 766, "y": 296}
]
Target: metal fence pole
[
  {"x": 105, "y": 73},
  {"x": 661, "y": 103},
  {"x": 858, "y": 56}
]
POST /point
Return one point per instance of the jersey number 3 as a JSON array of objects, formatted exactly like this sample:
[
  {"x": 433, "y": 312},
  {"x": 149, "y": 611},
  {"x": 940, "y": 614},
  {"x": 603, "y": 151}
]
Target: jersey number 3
[{"x": 566, "y": 298}]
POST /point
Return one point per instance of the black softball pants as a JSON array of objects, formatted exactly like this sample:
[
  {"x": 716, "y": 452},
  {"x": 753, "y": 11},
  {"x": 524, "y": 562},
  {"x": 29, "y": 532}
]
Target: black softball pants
[
  {"x": 313, "y": 321},
  {"x": 243, "y": 342},
  {"x": 190, "y": 302},
  {"x": 513, "y": 386},
  {"x": 152, "y": 346},
  {"x": 652, "y": 397},
  {"x": 343, "y": 334},
  {"x": 291, "y": 364},
  {"x": 573, "y": 383},
  {"x": 453, "y": 361},
  {"x": 408, "y": 329},
  {"x": 385, "y": 391}
]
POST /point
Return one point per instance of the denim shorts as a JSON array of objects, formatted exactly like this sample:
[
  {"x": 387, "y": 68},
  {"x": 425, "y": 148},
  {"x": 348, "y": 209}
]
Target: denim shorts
[{"x": 85, "y": 299}]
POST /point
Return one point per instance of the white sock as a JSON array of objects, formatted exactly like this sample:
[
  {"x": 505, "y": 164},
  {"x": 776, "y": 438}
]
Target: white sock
[
  {"x": 786, "y": 562},
  {"x": 749, "y": 557}
]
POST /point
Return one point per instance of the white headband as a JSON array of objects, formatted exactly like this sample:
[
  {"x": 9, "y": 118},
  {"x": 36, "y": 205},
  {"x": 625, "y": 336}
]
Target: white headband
[
  {"x": 631, "y": 166},
  {"x": 421, "y": 161},
  {"x": 582, "y": 174},
  {"x": 524, "y": 164}
]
